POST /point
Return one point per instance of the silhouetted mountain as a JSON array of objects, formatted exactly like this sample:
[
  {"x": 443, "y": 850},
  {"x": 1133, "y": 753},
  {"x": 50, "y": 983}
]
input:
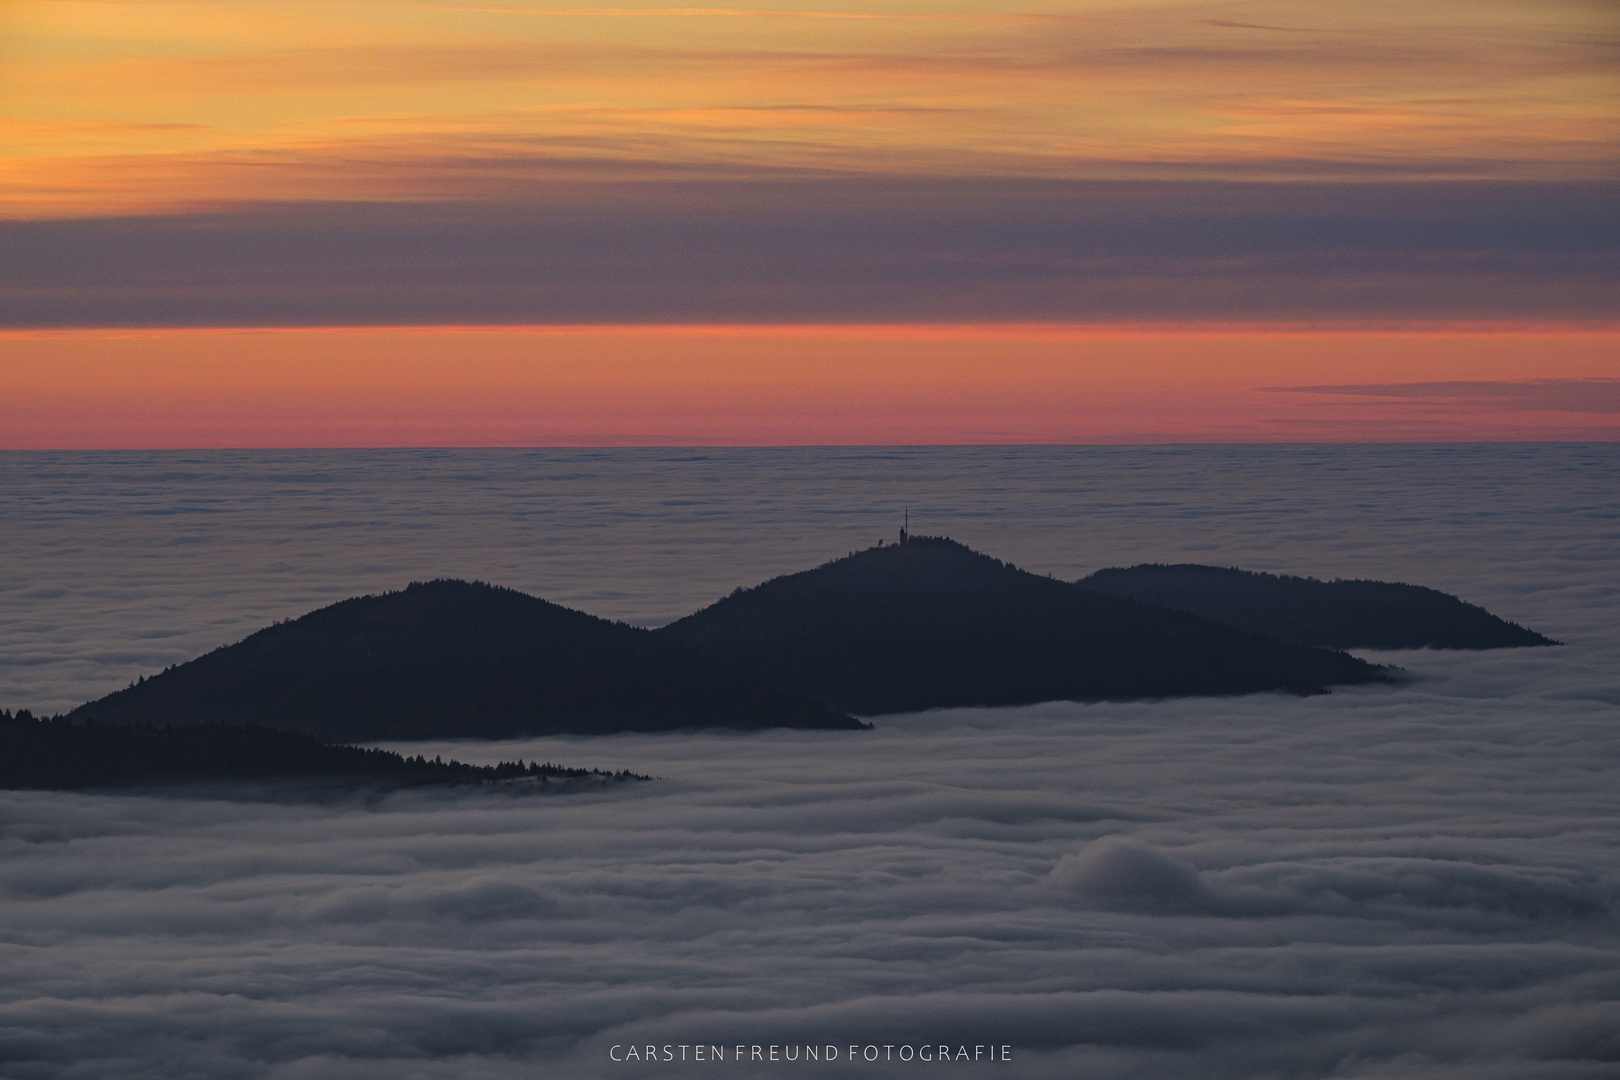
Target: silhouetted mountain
[
  {"x": 455, "y": 659},
  {"x": 932, "y": 623},
  {"x": 1305, "y": 611},
  {"x": 57, "y": 753}
]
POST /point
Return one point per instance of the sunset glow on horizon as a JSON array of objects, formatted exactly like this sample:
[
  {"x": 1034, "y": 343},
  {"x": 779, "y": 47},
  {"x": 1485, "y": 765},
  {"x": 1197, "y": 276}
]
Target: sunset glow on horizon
[
  {"x": 803, "y": 385},
  {"x": 896, "y": 220}
]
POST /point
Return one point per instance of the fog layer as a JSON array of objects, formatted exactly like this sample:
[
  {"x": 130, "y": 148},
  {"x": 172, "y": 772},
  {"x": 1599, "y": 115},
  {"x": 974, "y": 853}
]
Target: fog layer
[{"x": 1409, "y": 881}]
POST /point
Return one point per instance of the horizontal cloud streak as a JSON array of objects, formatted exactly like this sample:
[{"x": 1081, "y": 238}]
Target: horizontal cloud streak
[
  {"x": 1530, "y": 395},
  {"x": 840, "y": 250},
  {"x": 311, "y": 103}
]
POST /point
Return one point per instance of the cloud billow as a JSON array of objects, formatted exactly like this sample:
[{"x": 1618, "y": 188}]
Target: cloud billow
[{"x": 1117, "y": 872}]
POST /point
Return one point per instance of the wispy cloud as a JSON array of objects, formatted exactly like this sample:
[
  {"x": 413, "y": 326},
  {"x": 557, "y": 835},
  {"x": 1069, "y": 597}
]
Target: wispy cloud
[
  {"x": 1528, "y": 395},
  {"x": 1118, "y": 89}
]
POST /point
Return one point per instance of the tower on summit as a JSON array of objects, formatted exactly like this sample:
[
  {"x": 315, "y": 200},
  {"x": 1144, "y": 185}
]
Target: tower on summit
[{"x": 904, "y": 528}]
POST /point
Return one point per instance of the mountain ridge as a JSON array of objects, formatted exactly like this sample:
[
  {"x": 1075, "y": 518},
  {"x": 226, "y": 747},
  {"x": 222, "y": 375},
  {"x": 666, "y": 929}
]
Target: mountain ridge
[
  {"x": 459, "y": 659},
  {"x": 927, "y": 623},
  {"x": 1338, "y": 614},
  {"x": 930, "y": 623}
]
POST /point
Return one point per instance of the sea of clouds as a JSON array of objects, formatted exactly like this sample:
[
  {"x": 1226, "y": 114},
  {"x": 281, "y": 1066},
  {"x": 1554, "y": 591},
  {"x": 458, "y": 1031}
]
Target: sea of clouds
[{"x": 1410, "y": 881}]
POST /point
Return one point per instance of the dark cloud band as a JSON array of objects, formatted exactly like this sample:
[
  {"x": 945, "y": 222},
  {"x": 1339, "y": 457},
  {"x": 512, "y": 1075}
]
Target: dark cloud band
[{"x": 832, "y": 250}]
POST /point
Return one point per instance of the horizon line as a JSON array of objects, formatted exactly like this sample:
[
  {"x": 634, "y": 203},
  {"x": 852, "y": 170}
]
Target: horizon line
[{"x": 902, "y": 328}]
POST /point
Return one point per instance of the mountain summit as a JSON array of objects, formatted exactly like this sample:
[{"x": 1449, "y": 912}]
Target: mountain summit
[
  {"x": 455, "y": 659},
  {"x": 931, "y": 623}
]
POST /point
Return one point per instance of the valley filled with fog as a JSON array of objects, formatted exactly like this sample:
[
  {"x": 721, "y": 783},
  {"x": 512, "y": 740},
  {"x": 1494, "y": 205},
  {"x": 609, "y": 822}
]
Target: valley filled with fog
[{"x": 1419, "y": 880}]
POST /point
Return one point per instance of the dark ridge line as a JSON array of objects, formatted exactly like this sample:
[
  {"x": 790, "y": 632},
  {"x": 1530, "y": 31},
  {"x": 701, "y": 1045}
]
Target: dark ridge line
[
  {"x": 1339, "y": 614},
  {"x": 57, "y": 753},
  {"x": 930, "y": 623}
]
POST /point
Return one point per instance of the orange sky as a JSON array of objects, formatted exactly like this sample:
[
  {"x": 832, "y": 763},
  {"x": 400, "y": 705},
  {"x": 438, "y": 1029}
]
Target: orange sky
[
  {"x": 651, "y": 153},
  {"x": 801, "y": 385},
  {"x": 140, "y": 105}
]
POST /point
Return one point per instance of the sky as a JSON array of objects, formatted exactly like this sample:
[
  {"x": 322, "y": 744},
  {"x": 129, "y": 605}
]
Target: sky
[{"x": 882, "y": 222}]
